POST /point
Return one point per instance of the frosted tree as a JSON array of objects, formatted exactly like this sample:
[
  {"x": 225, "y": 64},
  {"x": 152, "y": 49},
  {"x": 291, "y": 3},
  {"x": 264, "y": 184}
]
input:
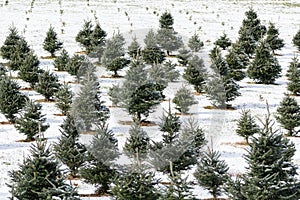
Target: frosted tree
[
  {"x": 273, "y": 39},
  {"x": 223, "y": 41},
  {"x": 195, "y": 43},
  {"x": 47, "y": 84},
  {"x": 51, "y": 42},
  {"x": 83, "y": 37},
  {"x": 152, "y": 53},
  {"x": 183, "y": 56},
  {"x": 63, "y": 98},
  {"x": 293, "y": 75},
  {"x": 134, "y": 49},
  {"x": 61, "y": 61},
  {"x": 183, "y": 100},
  {"x": 296, "y": 40}
]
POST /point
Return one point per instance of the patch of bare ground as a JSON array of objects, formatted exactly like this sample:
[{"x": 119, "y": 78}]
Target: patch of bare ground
[
  {"x": 26, "y": 140},
  {"x": 112, "y": 76},
  {"x": 198, "y": 93},
  {"x": 81, "y": 52},
  {"x": 142, "y": 123},
  {"x": 6, "y": 123},
  {"x": 94, "y": 195},
  {"x": 45, "y": 100},
  {"x": 236, "y": 144},
  {"x": 216, "y": 108},
  {"x": 48, "y": 57},
  {"x": 88, "y": 132},
  {"x": 59, "y": 114},
  {"x": 183, "y": 114},
  {"x": 26, "y": 89}
]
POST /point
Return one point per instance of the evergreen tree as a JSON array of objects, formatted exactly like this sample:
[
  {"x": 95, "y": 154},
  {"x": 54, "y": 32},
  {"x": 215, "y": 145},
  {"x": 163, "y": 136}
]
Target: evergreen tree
[
  {"x": 97, "y": 38},
  {"x": 288, "y": 115},
  {"x": 83, "y": 37},
  {"x": 10, "y": 42},
  {"x": 99, "y": 169},
  {"x": 246, "y": 126},
  {"x": 150, "y": 39},
  {"x": 184, "y": 99},
  {"x": 251, "y": 32},
  {"x": 40, "y": 177},
  {"x": 293, "y": 75},
  {"x": 134, "y": 49},
  {"x": 158, "y": 74},
  {"x": 31, "y": 121},
  {"x": 115, "y": 94},
  {"x": 51, "y": 43},
  {"x": 74, "y": 64},
  {"x": 170, "y": 124},
  {"x": 272, "y": 38},
  {"x": 265, "y": 68},
  {"x": 3, "y": 71},
  {"x": 68, "y": 149},
  {"x": 47, "y": 85},
  {"x": 166, "y": 21},
  {"x": 296, "y": 40},
  {"x": 29, "y": 69},
  {"x": 219, "y": 64},
  {"x": 17, "y": 56},
  {"x": 223, "y": 41},
  {"x": 63, "y": 98},
  {"x": 270, "y": 174},
  {"x": 183, "y": 56},
  {"x": 11, "y": 99},
  {"x": 117, "y": 64},
  {"x": 152, "y": 53},
  {"x": 171, "y": 73},
  {"x": 237, "y": 61},
  {"x": 195, "y": 43},
  {"x": 195, "y": 73},
  {"x": 211, "y": 172},
  {"x": 61, "y": 61},
  {"x": 89, "y": 109}
]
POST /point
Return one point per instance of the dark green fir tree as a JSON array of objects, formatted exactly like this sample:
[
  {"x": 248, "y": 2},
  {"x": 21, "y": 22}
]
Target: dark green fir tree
[
  {"x": 83, "y": 37},
  {"x": 17, "y": 57},
  {"x": 63, "y": 98},
  {"x": 8, "y": 47},
  {"x": 293, "y": 76},
  {"x": 97, "y": 38},
  {"x": 39, "y": 177},
  {"x": 183, "y": 100},
  {"x": 183, "y": 56},
  {"x": 223, "y": 42},
  {"x": 47, "y": 85},
  {"x": 74, "y": 64},
  {"x": 296, "y": 40},
  {"x": 134, "y": 49},
  {"x": 51, "y": 42},
  {"x": 152, "y": 53},
  {"x": 61, "y": 61},
  {"x": 195, "y": 43},
  {"x": 273, "y": 39}
]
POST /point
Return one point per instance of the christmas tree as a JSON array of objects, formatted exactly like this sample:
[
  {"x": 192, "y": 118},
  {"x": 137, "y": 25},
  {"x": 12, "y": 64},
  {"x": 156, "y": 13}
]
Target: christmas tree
[
  {"x": 134, "y": 49},
  {"x": 296, "y": 40},
  {"x": 293, "y": 75},
  {"x": 152, "y": 53},
  {"x": 47, "y": 85},
  {"x": 51, "y": 43},
  {"x": 288, "y": 115},
  {"x": 63, "y": 98},
  {"x": 195, "y": 43},
  {"x": 74, "y": 64},
  {"x": 83, "y": 37},
  {"x": 31, "y": 121},
  {"x": 97, "y": 38},
  {"x": 10, "y": 43},
  {"x": 61, "y": 61},
  {"x": 171, "y": 73},
  {"x": 117, "y": 64},
  {"x": 166, "y": 21},
  {"x": 184, "y": 99},
  {"x": 17, "y": 56},
  {"x": 157, "y": 74},
  {"x": 223, "y": 41},
  {"x": 264, "y": 68},
  {"x": 40, "y": 177},
  {"x": 183, "y": 56},
  {"x": 272, "y": 38}
]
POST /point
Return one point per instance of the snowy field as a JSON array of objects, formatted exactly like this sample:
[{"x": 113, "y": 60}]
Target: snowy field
[{"x": 209, "y": 18}]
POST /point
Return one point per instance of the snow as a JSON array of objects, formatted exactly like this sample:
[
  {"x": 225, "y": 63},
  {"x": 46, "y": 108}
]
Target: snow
[{"x": 208, "y": 18}]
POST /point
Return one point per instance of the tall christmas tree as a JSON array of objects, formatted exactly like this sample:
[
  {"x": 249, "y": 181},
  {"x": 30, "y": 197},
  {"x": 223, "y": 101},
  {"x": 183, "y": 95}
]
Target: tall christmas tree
[
  {"x": 63, "y": 98},
  {"x": 223, "y": 41},
  {"x": 184, "y": 99},
  {"x": 152, "y": 53},
  {"x": 293, "y": 75},
  {"x": 272, "y": 38},
  {"x": 47, "y": 84},
  {"x": 51, "y": 43},
  {"x": 40, "y": 177},
  {"x": 97, "y": 38},
  {"x": 195, "y": 43},
  {"x": 83, "y": 37},
  {"x": 10, "y": 42},
  {"x": 17, "y": 56},
  {"x": 61, "y": 61}
]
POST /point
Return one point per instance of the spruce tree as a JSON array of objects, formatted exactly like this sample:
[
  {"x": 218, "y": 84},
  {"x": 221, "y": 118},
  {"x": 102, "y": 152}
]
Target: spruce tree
[
  {"x": 134, "y": 49},
  {"x": 17, "y": 56},
  {"x": 272, "y": 38},
  {"x": 68, "y": 149},
  {"x": 11, "y": 99},
  {"x": 246, "y": 125},
  {"x": 39, "y": 177},
  {"x": 115, "y": 94},
  {"x": 97, "y": 38},
  {"x": 51, "y": 43},
  {"x": 195, "y": 43},
  {"x": 171, "y": 73},
  {"x": 293, "y": 75},
  {"x": 211, "y": 172},
  {"x": 264, "y": 68},
  {"x": 152, "y": 53},
  {"x": 158, "y": 74},
  {"x": 10, "y": 42},
  {"x": 83, "y": 37},
  {"x": 223, "y": 41},
  {"x": 31, "y": 121},
  {"x": 63, "y": 98},
  {"x": 3, "y": 71},
  {"x": 117, "y": 64},
  {"x": 74, "y": 64},
  {"x": 61, "y": 61},
  {"x": 183, "y": 56},
  {"x": 166, "y": 21},
  {"x": 288, "y": 115},
  {"x": 184, "y": 99},
  {"x": 296, "y": 40},
  {"x": 195, "y": 73},
  {"x": 170, "y": 124},
  {"x": 47, "y": 85}
]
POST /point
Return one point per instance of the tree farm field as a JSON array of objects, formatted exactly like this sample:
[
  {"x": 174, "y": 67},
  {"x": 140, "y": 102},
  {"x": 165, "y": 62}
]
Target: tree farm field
[{"x": 208, "y": 19}]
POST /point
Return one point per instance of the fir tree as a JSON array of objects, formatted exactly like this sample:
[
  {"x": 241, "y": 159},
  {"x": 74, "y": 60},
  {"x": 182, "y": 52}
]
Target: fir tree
[
  {"x": 246, "y": 126},
  {"x": 47, "y": 85},
  {"x": 296, "y": 40},
  {"x": 223, "y": 41},
  {"x": 184, "y": 99},
  {"x": 211, "y": 172},
  {"x": 150, "y": 39},
  {"x": 61, "y": 61},
  {"x": 152, "y": 53},
  {"x": 29, "y": 70},
  {"x": 134, "y": 49},
  {"x": 115, "y": 95},
  {"x": 63, "y": 98},
  {"x": 183, "y": 56},
  {"x": 157, "y": 74},
  {"x": 170, "y": 124},
  {"x": 97, "y": 38},
  {"x": 272, "y": 38},
  {"x": 171, "y": 73},
  {"x": 11, "y": 99},
  {"x": 3, "y": 71},
  {"x": 195, "y": 43},
  {"x": 51, "y": 43},
  {"x": 288, "y": 115},
  {"x": 17, "y": 56},
  {"x": 68, "y": 149},
  {"x": 74, "y": 64},
  {"x": 83, "y": 37},
  {"x": 195, "y": 73},
  {"x": 293, "y": 75},
  {"x": 219, "y": 64},
  {"x": 31, "y": 121},
  {"x": 166, "y": 21},
  {"x": 10, "y": 42},
  {"x": 117, "y": 64},
  {"x": 99, "y": 168},
  {"x": 265, "y": 68},
  {"x": 40, "y": 177},
  {"x": 251, "y": 32}
]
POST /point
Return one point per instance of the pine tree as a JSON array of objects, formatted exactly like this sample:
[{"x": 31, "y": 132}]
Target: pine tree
[
  {"x": 251, "y": 32},
  {"x": 31, "y": 121},
  {"x": 152, "y": 53},
  {"x": 293, "y": 75},
  {"x": 51, "y": 43},
  {"x": 264, "y": 68},
  {"x": 184, "y": 99},
  {"x": 223, "y": 41},
  {"x": 99, "y": 169},
  {"x": 246, "y": 126},
  {"x": 211, "y": 172},
  {"x": 296, "y": 40},
  {"x": 68, "y": 149},
  {"x": 219, "y": 64},
  {"x": 97, "y": 38},
  {"x": 3, "y": 71},
  {"x": 272, "y": 38},
  {"x": 29, "y": 71},
  {"x": 134, "y": 49},
  {"x": 270, "y": 174},
  {"x": 157, "y": 74},
  {"x": 74, "y": 64},
  {"x": 150, "y": 39},
  {"x": 117, "y": 64},
  {"x": 114, "y": 49},
  {"x": 83, "y": 37},
  {"x": 195, "y": 43},
  {"x": 166, "y": 21},
  {"x": 40, "y": 177},
  {"x": 170, "y": 71},
  {"x": 47, "y": 85},
  {"x": 61, "y": 61},
  {"x": 183, "y": 56},
  {"x": 115, "y": 94},
  {"x": 63, "y": 98},
  {"x": 195, "y": 73},
  {"x": 10, "y": 42},
  {"x": 170, "y": 124},
  {"x": 288, "y": 115},
  {"x": 11, "y": 99},
  {"x": 17, "y": 56}
]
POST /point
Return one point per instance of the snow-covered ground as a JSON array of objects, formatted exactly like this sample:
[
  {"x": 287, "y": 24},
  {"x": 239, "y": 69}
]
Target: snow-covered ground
[{"x": 136, "y": 17}]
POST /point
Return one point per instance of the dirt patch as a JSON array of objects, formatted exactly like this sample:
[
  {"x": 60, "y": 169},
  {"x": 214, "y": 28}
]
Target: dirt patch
[
  {"x": 26, "y": 89},
  {"x": 26, "y": 140},
  {"x": 60, "y": 115},
  {"x": 143, "y": 123},
  {"x": 199, "y": 93},
  {"x": 94, "y": 195},
  {"x": 236, "y": 144},
  {"x": 6, "y": 123},
  {"x": 112, "y": 76},
  {"x": 48, "y": 57},
  {"x": 88, "y": 132},
  {"x": 45, "y": 100},
  {"x": 215, "y": 108},
  {"x": 81, "y": 52}
]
